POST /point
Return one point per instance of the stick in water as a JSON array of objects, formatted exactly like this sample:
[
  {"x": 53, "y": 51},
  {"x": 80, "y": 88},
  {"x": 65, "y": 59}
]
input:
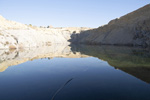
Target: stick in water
[{"x": 61, "y": 88}]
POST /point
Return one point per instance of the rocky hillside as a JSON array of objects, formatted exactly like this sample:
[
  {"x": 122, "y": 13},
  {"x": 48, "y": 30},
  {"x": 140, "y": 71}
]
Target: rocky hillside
[
  {"x": 131, "y": 29},
  {"x": 17, "y": 35}
]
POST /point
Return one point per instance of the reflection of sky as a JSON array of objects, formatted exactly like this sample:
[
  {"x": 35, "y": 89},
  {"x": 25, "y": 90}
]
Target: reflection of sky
[
  {"x": 61, "y": 13},
  {"x": 92, "y": 78}
]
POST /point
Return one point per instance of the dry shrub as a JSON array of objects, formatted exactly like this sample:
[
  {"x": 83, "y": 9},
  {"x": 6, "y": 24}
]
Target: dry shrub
[{"x": 12, "y": 47}]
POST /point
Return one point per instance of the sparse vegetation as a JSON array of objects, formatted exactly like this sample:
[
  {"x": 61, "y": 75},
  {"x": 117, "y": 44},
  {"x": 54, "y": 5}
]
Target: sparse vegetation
[
  {"x": 1, "y": 34},
  {"x": 41, "y": 26},
  {"x": 30, "y": 25},
  {"x": 12, "y": 47},
  {"x": 50, "y": 26},
  {"x": 48, "y": 43},
  {"x": 7, "y": 42}
]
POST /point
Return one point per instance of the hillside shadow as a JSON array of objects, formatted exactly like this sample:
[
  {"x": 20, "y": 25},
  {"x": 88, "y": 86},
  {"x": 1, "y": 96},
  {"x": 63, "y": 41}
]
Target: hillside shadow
[{"x": 76, "y": 38}]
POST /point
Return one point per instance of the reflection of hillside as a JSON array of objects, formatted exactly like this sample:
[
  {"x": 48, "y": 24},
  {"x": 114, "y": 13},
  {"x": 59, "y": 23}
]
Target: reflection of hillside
[
  {"x": 15, "y": 57},
  {"x": 135, "y": 61}
]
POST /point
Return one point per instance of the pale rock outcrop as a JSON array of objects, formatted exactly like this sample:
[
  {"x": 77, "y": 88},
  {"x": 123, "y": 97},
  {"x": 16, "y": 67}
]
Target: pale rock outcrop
[
  {"x": 17, "y": 35},
  {"x": 6, "y": 24}
]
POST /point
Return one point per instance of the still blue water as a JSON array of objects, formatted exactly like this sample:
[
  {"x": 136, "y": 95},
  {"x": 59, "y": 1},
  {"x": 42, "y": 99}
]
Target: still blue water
[{"x": 87, "y": 78}]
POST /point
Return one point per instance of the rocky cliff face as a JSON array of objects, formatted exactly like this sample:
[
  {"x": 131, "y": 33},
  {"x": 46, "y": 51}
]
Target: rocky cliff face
[
  {"x": 131, "y": 29},
  {"x": 17, "y": 35}
]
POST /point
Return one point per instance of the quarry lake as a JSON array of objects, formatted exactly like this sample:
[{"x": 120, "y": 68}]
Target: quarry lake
[{"x": 73, "y": 72}]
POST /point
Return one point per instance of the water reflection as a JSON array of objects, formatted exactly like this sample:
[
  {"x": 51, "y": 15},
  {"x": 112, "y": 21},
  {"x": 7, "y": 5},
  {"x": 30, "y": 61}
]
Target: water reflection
[
  {"x": 15, "y": 57},
  {"x": 135, "y": 61},
  {"x": 91, "y": 73}
]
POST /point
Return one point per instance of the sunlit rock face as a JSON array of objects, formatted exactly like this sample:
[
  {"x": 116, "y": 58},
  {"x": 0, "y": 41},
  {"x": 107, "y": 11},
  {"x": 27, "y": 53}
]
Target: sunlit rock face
[
  {"x": 15, "y": 57},
  {"x": 17, "y": 35}
]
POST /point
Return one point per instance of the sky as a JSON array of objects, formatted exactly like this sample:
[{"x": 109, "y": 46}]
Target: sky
[{"x": 67, "y": 13}]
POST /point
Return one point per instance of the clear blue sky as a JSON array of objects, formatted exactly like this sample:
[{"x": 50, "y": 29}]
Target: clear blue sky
[{"x": 65, "y": 13}]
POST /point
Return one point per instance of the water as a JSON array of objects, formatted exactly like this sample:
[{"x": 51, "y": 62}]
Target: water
[{"x": 75, "y": 73}]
